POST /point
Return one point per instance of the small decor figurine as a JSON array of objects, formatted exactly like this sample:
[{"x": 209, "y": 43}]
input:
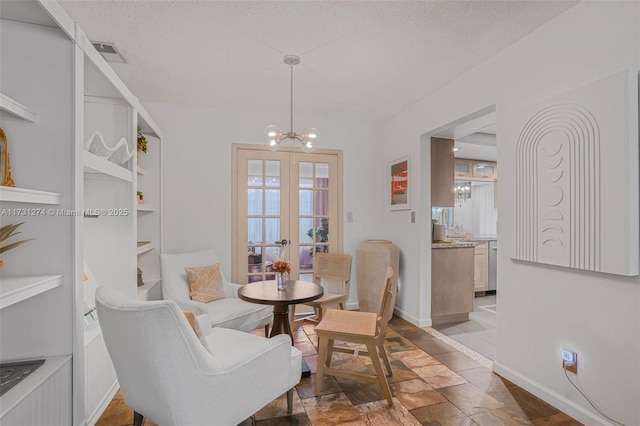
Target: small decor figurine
[
  {"x": 7, "y": 232},
  {"x": 140, "y": 281},
  {"x": 142, "y": 143},
  {"x": 5, "y": 165},
  {"x": 140, "y": 197},
  {"x": 282, "y": 269}
]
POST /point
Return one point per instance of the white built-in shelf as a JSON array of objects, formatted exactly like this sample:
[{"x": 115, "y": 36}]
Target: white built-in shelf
[
  {"x": 17, "y": 289},
  {"x": 143, "y": 248},
  {"x": 16, "y": 108},
  {"x": 33, "y": 381},
  {"x": 141, "y": 171},
  {"x": 146, "y": 208},
  {"x": 91, "y": 332},
  {"x": 21, "y": 195},
  {"x": 95, "y": 164},
  {"x": 148, "y": 285}
]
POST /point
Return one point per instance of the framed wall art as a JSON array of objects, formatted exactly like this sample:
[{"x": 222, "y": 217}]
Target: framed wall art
[{"x": 399, "y": 184}]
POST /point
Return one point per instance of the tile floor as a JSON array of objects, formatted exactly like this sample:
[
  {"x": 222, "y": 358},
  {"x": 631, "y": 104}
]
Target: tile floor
[
  {"x": 433, "y": 384},
  {"x": 479, "y": 333}
]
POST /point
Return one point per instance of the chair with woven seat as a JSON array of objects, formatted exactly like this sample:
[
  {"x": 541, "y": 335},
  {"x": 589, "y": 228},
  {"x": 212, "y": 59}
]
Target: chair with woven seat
[
  {"x": 361, "y": 328},
  {"x": 329, "y": 268}
]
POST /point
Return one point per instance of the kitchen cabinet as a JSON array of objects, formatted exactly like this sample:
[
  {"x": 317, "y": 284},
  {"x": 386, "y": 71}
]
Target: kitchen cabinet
[
  {"x": 451, "y": 282},
  {"x": 463, "y": 168},
  {"x": 475, "y": 170},
  {"x": 481, "y": 267},
  {"x": 442, "y": 170},
  {"x": 485, "y": 170}
]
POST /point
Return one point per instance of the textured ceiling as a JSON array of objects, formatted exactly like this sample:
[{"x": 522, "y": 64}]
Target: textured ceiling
[{"x": 360, "y": 60}]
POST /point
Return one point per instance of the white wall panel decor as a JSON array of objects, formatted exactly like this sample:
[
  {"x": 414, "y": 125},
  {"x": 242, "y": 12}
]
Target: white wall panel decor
[{"x": 577, "y": 178}]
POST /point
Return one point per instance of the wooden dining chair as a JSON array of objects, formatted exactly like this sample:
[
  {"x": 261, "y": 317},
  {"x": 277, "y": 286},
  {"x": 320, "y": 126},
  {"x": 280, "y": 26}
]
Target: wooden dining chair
[
  {"x": 366, "y": 328},
  {"x": 331, "y": 268}
]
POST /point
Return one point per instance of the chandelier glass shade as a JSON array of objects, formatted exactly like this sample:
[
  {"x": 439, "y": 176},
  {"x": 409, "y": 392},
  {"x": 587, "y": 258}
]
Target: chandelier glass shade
[
  {"x": 462, "y": 191},
  {"x": 275, "y": 136}
]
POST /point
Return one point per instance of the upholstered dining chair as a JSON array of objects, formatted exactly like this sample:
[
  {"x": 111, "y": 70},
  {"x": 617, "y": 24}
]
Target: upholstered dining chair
[
  {"x": 230, "y": 312},
  {"x": 361, "y": 328},
  {"x": 335, "y": 270},
  {"x": 169, "y": 376}
]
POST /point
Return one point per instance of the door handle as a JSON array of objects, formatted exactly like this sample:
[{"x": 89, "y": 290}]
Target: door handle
[{"x": 284, "y": 242}]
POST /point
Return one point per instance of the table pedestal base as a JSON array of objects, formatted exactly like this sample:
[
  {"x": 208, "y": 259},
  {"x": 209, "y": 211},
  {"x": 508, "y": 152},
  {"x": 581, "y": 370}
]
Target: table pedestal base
[{"x": 281, "y": 326}]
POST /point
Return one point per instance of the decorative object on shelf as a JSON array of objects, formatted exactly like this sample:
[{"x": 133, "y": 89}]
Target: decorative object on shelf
[
  {"x": 5, "y": 165},
  {"x": 372, "y": 259},
  {"x": 322, "y": 235},
  {"x": 142, "y": 144},
  {"x": 462, "y": 192},
  {"x": 275, "y": 136},
  {"x": 399, "y": 184},
  {"x": 140, "y": 197},
  {"x": 119, "y": 153},
  {"x": 140, "y": 281},
  {"x": 7, "y": 232},
  {"x": 282, "y": 269}
]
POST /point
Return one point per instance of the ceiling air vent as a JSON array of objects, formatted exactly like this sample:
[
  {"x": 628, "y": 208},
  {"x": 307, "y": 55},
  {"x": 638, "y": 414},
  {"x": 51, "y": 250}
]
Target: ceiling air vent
[{"x": 109, "y": 52}]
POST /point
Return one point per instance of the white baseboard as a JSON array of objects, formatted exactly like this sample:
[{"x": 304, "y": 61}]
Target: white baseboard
[
  {"x": 560, "y": 402},
  {"x": 413, "y": 320},
  {"x": 353, "y": 306}
]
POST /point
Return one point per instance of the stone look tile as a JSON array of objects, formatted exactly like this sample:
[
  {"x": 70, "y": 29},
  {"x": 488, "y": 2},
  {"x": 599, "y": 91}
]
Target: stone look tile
[
  {"x": 457, "y": 361},
  {"x": 400, "y": 372},
  {"x": 469, "y": 399},
  {"x": 278, "y": 407},
  {"x": 415, "y": 358},
  {"x": 442, "y": 414},
  {"x": 306, "y": 387},
  {"x": 500, "y": 417},
  {"x": 294, "y": 420},
  {"x": 485, "y": 379},
  {"x": 306, "y": 348},
  {"x": 334, "y": 409},
  {"x": 360, "y": 392},
  {"x": 416, "y": 393},
  {"x": 439, "y": 376},
  {"x": 380, "y": 414},
  {"x": 394, "y": 342},
  {"x": 312, "y": 363},
  {"x": 559, "y": 419},
  {"x": 523, "y": 403}
]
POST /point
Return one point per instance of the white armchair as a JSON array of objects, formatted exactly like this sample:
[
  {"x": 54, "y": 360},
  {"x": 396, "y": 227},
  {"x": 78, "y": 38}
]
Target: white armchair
[
  {"x": 230, "y": 312},
  {"x": 167, "y": 375}
]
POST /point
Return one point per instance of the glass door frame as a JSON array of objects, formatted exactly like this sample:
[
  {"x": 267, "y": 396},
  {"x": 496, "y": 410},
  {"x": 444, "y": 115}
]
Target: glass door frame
[{"x": 238, "y": 270}]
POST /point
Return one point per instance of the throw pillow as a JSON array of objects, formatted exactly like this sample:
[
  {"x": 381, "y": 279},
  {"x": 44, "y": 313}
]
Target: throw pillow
[
  {"x": 205, "y": 283},
  {"x": 191, "y": 318}
]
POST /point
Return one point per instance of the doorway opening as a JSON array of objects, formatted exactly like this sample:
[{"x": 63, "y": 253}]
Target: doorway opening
[{"x": 471, "y": 217}]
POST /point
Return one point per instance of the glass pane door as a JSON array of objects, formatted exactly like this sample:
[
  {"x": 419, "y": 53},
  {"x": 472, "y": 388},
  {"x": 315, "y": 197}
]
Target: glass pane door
[{"x": 284, "y": 196}]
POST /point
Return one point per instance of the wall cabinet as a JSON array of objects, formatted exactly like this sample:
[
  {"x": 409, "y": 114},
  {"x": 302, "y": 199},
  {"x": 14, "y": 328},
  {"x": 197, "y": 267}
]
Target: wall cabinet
[
  {"x": 58, "y": 95},
  {"x": 442, "y": 168},
  {"x": 481, "y": 267},
  {"x": 475, "y": 169}
]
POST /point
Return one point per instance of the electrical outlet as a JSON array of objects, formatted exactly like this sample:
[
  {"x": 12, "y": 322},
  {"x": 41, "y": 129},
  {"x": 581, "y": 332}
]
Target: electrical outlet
[{"x": 569, "y": 360}]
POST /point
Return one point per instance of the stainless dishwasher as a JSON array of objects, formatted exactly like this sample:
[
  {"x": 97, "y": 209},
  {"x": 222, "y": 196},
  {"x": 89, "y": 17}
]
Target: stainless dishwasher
[{"x": 493, "y": 260}]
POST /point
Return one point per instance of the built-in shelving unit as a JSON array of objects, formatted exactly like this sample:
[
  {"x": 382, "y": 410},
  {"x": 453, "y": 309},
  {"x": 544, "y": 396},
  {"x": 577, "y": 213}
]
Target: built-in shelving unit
[
  {"x": 146, "y": 247},
  {"x": 94, "y": 164},
  {"x": 16, "y": 109},
  {"x": 21, "y": 195},
  {"x": 17, "y": 289},
  {"x": 48, "y": 66},
  {"x": 146, "y": 208}
]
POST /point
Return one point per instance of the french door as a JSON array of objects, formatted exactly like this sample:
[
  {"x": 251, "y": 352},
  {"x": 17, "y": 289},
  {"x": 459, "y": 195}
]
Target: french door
[{"x": 286, "y": 204}]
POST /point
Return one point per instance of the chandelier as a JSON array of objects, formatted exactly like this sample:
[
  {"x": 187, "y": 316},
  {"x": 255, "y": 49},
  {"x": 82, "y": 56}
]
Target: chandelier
[
  {"x": 275, "y": 136},
  {"x": 462, "y": 191}
]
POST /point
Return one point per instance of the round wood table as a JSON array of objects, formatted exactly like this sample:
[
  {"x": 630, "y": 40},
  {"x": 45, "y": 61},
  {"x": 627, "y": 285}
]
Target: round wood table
[{"x": 266, "y": 293}]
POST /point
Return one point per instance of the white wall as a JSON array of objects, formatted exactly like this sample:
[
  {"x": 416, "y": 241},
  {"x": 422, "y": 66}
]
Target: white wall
[
  {"x": 541, "y": 308},
  {"x": 197, "y": 174}
]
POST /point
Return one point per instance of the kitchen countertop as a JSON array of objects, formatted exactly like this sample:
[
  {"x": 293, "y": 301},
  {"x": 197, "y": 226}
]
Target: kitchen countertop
[{"x": 456, "y": 244}]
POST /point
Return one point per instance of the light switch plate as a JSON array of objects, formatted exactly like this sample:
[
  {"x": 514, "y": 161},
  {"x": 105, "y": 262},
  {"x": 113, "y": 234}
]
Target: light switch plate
[
  {"x": 349, "y": 216},
  {"x": 413, "y": 217}
]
